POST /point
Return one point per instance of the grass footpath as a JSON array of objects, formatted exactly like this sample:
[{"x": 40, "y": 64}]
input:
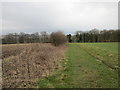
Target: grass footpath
[{"x": 87, "y": 65}]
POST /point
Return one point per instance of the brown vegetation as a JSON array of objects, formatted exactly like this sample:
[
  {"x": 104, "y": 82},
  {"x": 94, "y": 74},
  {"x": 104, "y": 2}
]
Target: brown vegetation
[
  {"x": 58, "y": 38},
  {"x": 24, "y": 64}
]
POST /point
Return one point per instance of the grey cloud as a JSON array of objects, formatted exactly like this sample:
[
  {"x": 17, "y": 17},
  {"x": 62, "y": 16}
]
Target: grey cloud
[{"x": 52, "y": 16}]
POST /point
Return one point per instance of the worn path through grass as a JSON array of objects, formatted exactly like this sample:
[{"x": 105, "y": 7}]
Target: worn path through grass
[{"x": 83, "y": 67}]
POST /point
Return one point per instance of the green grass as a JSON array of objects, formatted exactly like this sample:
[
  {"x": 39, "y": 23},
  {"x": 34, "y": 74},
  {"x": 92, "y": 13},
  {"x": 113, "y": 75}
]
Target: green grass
[{"x": 87, "y": 65}]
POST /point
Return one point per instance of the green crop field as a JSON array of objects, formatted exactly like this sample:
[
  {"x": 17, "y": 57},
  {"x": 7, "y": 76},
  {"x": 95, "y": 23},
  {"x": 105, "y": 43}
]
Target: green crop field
[{"x": 87, "y": 65}]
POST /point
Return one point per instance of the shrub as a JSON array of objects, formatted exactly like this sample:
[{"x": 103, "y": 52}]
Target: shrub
[{"x": 58, "y": 38}]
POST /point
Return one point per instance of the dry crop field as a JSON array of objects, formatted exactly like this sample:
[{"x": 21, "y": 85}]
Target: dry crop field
[{"x": 24, "y": 64}]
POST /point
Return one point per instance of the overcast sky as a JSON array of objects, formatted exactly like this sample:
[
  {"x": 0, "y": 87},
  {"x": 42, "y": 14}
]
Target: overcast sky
[{"x": 68, "y": 16}]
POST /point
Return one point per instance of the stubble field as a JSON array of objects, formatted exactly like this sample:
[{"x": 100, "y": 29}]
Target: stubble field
[{"x": 24, "y": 64}]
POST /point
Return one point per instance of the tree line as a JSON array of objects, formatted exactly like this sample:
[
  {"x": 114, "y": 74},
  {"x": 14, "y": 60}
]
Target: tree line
[
  {"x": 56, "y": 38},
  {"x": 13, "y": 38},
  {"x": 59, "y": 37},
  {"x": 95, "y": 36}
]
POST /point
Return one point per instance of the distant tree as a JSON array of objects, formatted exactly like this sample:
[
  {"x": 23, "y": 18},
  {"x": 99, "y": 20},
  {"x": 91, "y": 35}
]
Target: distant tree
[
  {"x": 44, "y": 37},
  {"x": 78, "y": 37},
  {"x": 69, "y": 37},
  {"x": 94, "y": 35},
  {"x": 9, "y": 39},
  {"x": 58, "y": 38},
  {"x": 34, "y": 37},
  {"x": 22, "y": 38}
]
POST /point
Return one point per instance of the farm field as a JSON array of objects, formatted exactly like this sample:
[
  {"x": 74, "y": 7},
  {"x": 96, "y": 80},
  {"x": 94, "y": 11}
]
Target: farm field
[
  {"x": 24, "y": 64},
  {"x": 87, "y": 65},
  {"x": 60, "y": 44}
]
